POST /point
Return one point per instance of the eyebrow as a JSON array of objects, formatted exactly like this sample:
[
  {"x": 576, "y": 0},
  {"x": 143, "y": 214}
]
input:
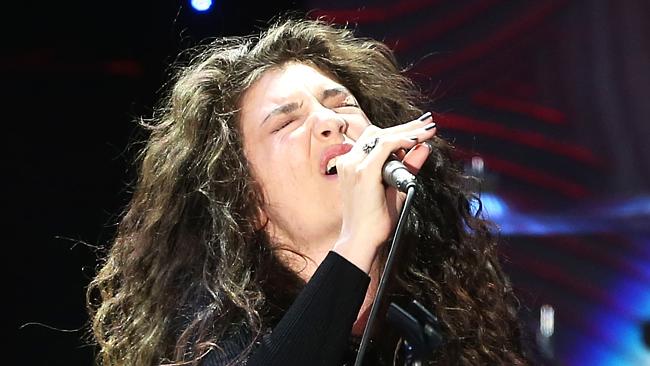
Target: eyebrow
[
  {"x": 283, "y": 109},
  {"x": 336, "y": 91},
  {"x": 291, "y": 107}
]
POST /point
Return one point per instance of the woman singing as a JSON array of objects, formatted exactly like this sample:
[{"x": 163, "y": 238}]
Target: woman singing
[{"x": 259, "y": 224}]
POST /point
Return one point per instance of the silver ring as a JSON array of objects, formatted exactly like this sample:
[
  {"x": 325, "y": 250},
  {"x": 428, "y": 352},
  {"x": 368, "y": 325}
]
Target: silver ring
[
  {"x": 367, "y": 148},
  {"x": 429, "y": 145}
]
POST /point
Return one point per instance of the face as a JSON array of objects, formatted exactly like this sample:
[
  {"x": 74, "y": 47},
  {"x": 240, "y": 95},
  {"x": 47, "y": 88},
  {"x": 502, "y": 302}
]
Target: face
[{"x": 293, "y": 119}]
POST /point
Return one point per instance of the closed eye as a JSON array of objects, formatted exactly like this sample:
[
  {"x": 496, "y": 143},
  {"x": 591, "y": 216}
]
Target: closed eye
[{"x": 285, "y": 124}]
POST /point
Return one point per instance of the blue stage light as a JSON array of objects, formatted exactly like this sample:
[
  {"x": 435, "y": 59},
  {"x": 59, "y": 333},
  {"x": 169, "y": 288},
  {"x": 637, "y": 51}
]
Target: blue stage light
[
  {"x": 494, "y": 206},
  {"x": 201, "y": 5}
]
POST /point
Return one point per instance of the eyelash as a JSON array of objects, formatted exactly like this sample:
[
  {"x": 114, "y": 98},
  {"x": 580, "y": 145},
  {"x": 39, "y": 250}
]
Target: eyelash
[
  {"x": 284, "y": 125},
  {"x": 348, "y": 105},
  {"x": 339, "y": 106}
]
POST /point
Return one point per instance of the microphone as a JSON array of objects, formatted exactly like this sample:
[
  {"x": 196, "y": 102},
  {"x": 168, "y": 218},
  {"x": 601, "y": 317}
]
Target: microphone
[{"x": 395, "y": 174}]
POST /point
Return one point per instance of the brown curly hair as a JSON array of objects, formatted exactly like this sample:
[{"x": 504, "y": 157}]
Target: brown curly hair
[{"x": 190, "y": 261}]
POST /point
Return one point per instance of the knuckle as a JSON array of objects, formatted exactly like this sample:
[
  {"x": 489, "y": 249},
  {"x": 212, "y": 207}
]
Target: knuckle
[
  {"x": 359, "y": 170},
  {"x": 344, "y": 169},
  {"x": 369, "y": 131}
]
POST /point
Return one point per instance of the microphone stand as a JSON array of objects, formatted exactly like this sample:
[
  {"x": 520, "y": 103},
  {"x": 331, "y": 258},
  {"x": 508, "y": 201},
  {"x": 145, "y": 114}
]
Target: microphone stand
[{"x": 417, "y": 327}]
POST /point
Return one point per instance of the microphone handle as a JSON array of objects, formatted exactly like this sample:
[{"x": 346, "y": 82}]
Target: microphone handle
[{"x": 396, "y": 175}]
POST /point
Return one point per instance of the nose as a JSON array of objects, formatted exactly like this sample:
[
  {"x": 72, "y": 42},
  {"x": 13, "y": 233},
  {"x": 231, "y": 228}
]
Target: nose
[{"x": 328, "y": 125}]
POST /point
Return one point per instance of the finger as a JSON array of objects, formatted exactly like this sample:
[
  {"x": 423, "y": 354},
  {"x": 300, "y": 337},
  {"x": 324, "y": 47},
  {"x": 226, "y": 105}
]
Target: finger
[
  {"x": 384, "y": 147},
  {"x": 357, "y": 154},
  {"x": 397, "y": 198},
  {"x": 423, "y": 120},
  {"x": 419, "y": 132},
  {"x": 371, "y": 133},
  {"x": 418, "y": 155},
  {"x": 401, "y": 153},
  {"x": 375, "y": 131}
]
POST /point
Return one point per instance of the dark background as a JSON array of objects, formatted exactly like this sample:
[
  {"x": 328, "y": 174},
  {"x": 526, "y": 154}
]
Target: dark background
[
  {"x": 76, "y": 76},
  {"x": 549, "y": 95}
]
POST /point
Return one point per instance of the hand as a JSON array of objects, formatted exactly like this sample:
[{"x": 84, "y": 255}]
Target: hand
[{"x": 370, "y": 209}]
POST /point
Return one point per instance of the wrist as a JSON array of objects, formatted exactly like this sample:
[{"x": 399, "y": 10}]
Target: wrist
[{"x": 356, "y": 252}]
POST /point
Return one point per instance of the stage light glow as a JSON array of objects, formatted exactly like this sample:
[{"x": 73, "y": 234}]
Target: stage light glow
[
  {"x": 493, "y": 207},
  {"x": 614, "y": 332},
  {"x": 639, "y": 206},
  {"x": 201, "y": 5},
  {"x": 620, "y": 336},
  {"x": 546, "y": 320}
]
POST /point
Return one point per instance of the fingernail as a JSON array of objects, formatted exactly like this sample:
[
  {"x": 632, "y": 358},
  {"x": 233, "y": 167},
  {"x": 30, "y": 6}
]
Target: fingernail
[
  {"x": 425, "y": 116},
  {"x": 430, "y": 126}
]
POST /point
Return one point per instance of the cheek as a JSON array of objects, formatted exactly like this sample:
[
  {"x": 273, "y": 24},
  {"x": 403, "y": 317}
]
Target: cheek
[
  {"x": 261, "y": 163},
  {"x": 280, "y": 170}
]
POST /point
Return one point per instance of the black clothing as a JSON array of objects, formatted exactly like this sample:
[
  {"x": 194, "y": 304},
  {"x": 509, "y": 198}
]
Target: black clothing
[{"x": 316, "y": 328}]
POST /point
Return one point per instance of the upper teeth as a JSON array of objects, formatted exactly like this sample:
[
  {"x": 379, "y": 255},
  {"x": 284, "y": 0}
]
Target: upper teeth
[{"x": 331, "y": 164}]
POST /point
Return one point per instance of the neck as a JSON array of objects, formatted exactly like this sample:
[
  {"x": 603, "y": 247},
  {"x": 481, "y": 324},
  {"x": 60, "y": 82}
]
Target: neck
[
  {"x": 302, "y": 256},
  {"x": 305, "y": 259}
]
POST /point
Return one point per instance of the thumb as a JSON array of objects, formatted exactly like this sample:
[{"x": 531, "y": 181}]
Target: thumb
[{"x": 414, "y": 159}]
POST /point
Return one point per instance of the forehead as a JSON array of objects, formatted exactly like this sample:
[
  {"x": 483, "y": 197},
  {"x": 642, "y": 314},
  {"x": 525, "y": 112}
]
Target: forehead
[{"x": 282, "y": 84}]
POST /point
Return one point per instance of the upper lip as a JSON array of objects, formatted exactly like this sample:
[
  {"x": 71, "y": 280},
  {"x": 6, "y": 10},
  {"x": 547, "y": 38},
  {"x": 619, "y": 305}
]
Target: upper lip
[{"x": 330, "y": 152}]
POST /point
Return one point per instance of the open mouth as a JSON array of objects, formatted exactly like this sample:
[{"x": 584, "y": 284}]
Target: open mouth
[
  {"x": 331, "y": 166},
  {"x": 329, "y": 157}
]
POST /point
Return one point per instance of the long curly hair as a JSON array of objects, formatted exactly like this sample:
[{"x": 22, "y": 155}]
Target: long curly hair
[{"x": 190, "y": 262}]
